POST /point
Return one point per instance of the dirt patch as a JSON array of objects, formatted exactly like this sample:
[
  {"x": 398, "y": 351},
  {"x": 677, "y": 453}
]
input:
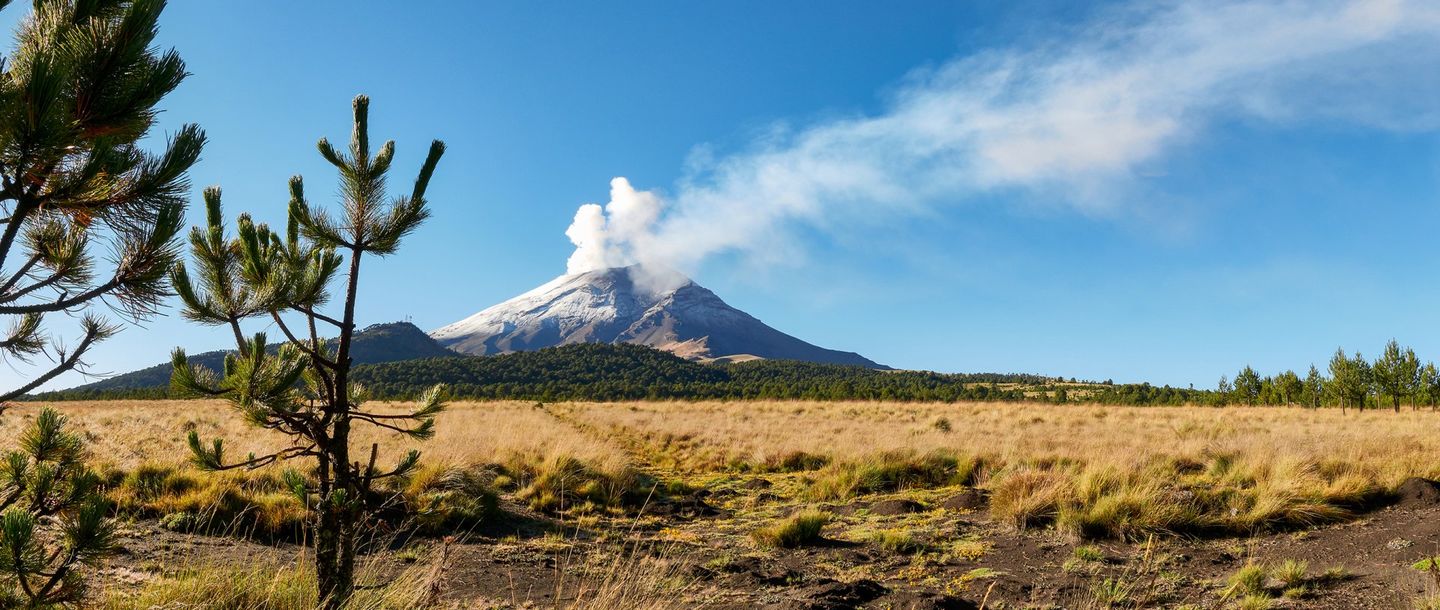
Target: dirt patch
[
  {"x": 970, "y": 499},
  {"x": 901, "y": 506},
  {"x": 1416, "y": 492},
  {"x": 827, "y": 594},
  {"x": 923, "y": 601}
]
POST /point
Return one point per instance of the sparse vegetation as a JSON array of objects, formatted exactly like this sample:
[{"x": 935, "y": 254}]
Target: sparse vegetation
[
  {"x": 592, "y": 468},
  {"x": 801, "y": 529},
  {"x": 890, "y": 472},
  {"x": 896, "y": 541}
]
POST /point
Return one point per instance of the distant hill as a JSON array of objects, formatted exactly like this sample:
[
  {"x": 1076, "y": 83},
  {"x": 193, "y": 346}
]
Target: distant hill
[{"x": 375, "y": 343}]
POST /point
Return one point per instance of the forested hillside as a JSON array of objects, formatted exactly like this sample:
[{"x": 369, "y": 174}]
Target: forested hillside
[
  {"x": 629, "y": 372},
  {"x": 375, "y": 343}
]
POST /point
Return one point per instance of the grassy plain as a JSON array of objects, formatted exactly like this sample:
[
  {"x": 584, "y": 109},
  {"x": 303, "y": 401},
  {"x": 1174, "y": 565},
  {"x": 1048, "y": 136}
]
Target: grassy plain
[{"x": 1073, "y": 476}]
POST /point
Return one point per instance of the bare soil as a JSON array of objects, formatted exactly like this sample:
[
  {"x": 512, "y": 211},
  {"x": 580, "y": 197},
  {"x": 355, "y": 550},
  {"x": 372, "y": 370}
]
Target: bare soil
[{"x": 966, "y": 559}]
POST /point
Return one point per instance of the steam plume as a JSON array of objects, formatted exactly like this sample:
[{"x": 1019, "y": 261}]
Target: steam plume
[{"x": 1080, "y": 121}]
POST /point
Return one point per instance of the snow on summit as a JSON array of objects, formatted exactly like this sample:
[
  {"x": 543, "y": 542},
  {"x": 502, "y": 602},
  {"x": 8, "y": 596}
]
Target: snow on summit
[{"x": 665, "y": 310}]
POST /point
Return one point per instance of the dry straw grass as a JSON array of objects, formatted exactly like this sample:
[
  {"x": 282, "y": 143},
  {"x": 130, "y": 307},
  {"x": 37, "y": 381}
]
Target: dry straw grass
[{"x": 1093, "y": 471}]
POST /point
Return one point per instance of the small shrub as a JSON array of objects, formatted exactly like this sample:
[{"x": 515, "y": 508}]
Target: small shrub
[
  {"x": 802, "y": 529},
  {"x": 180, "y": 522},
  {"x": 941, "y": 424}
]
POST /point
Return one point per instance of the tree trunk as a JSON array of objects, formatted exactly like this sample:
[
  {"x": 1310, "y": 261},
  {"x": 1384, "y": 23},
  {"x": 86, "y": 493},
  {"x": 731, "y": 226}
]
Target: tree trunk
[
  {"x": 343, "y": 524},
  {"x": 327, "y": 538}
]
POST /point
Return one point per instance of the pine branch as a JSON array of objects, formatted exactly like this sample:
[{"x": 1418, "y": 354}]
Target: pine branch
[{"x": 95, "y": 331}]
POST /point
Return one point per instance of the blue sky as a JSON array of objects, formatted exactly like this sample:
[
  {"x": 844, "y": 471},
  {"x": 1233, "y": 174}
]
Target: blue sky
[{"x": 1148, "y": 194}]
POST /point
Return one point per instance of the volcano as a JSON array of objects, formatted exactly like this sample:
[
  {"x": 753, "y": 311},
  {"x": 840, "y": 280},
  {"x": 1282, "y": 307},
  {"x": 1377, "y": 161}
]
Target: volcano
[{"x": 630, "y": 305}]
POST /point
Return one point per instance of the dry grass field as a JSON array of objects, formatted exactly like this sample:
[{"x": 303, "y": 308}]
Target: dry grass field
[{"x": 800, "y": 504}]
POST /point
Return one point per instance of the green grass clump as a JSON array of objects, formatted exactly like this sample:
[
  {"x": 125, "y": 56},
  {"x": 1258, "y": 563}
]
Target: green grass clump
[
  {"x": 1089, "y": 553},
  {"x": 255, "y": 504},
  {"x": 1254, "y": 602},
  {"x": 1028, "y": 498},
  {"x": 802, "y": 529},
  {"x": 1291, "y": 573},
  {"x": 565, "y": 484},
  {"x": 442, "y": 500},
  {"x": 1247, "y": 581},
  {"x": 794, "y": 461},
  {"x": 1111, "y": 593},
  {"x": 892, "y": 472},
  {"x": 434, "y": 501},
  {"x": 895, "y": 541},
  {"x": 264, "y": 588}
]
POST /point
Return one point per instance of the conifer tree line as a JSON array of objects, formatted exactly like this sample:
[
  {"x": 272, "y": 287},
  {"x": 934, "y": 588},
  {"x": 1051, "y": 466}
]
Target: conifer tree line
[{"x": 1394, "y": 380}]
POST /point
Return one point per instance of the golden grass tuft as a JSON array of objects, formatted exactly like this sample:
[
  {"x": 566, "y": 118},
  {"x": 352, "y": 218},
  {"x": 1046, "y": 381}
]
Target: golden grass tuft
[
  {"x": 801, "y": 529},
  {"x": 1092, "y": 471}
]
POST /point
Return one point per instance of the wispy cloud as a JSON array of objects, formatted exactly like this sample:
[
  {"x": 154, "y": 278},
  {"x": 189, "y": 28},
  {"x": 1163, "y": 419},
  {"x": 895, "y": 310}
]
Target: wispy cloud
[{"x": 1078, "y": 120}]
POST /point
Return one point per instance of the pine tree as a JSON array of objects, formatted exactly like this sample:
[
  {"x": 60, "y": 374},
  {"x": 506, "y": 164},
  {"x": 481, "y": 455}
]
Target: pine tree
[
  {"x": 76, "y": 96},
  {"x": 1397, "y": 372},
  {"x": 305, "y": 389},
  {"x": 47, "y": 480},
  {"x": 88, "y": 217},
  {"x": 1247, "y": 385},
  {"x": 1314, "y": 391},
  {"x": 1363, "y": 382},
  {"x": 1290, "y": 387},
  {"x": 1345, "y": 380},
  {"x": 1223, "y": 391}
]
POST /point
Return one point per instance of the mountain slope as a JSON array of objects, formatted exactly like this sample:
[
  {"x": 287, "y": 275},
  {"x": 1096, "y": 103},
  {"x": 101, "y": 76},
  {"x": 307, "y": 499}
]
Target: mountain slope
[
  {"x": 626, "y": 305},
  {"x": 376, "y": 343}
]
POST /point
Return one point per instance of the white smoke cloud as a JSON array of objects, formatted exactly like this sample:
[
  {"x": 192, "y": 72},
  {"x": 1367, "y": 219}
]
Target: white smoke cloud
[
  {"x": 612, "y": 236},
  {"x": 1079, "y": 122}
]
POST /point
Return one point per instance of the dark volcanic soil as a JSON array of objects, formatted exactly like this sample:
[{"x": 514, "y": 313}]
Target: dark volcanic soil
[{"x": 965, "y": 560}]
